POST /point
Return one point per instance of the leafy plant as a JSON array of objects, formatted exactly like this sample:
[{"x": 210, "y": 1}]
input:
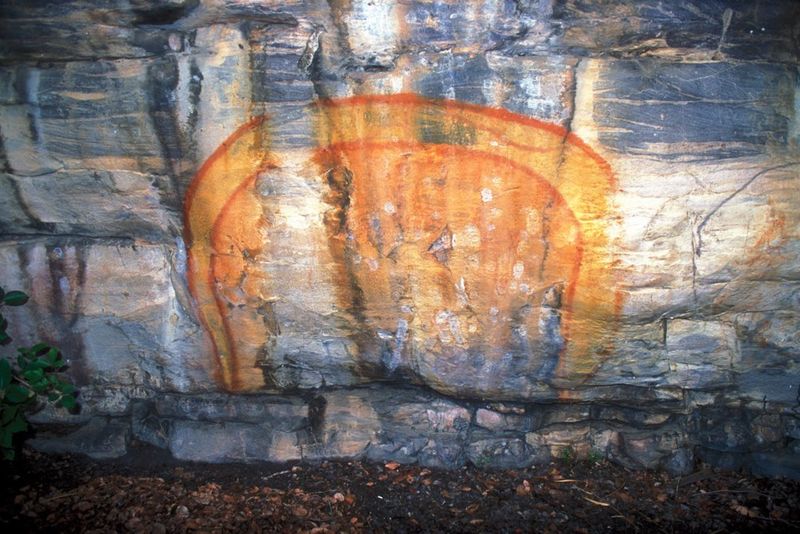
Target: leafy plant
[
  {"x": 28, "y": 380},
  {"x": 567, "y": 454},
  {"x": 595, "y": 457}
]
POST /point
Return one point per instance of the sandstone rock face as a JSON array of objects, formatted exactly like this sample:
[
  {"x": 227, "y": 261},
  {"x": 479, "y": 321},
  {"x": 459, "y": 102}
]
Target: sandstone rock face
[{"x": 547, "y": 224}]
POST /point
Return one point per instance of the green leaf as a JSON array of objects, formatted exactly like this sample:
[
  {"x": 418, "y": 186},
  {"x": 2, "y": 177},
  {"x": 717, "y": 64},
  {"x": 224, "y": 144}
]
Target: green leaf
[
  {"x": 66, "y": 388},
  {"x": 18, "y": 424},
  {"x": 5, "y": 373},
  {"x": 5, "y": 439},
  {"x": 9, "y": 412},
  {"x": 15, "y": 298},
  {"x": 4, "y": 338},
  {"x": 40, "y": 349},
  {"x": 39, "y": 363},
  {"x": 33, "y": 375},
  {"x": 52, "y": 356},
  {"x": 68, "y": 402},
  {"x": 40, "y": 386},
  {"x": 16, "y": 394}
]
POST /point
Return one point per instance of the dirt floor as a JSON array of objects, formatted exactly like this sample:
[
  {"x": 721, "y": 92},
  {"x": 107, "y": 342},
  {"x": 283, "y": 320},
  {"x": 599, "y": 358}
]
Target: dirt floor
[{"x": 148, "y": 491}]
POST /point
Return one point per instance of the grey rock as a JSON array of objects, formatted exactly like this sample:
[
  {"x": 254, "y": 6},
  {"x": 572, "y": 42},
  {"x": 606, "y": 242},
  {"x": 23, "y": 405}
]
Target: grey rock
[
  {"x": 724, "y": 432},
  {"x": 231, "y": 442},
  {"x": 280, "y": 412},
  {"x": 443, "y": 452},
  {"x": 123, "y": 204},
  {"x": 712, "y": 103},
  {"x": 792, "y": 425},
  {"x": 700, "y": 353},
  {"x": 496, "y": 421},
  {"x": 680, "y": 462},
  {"x": 767, "y": 429},
  {"x": 776, "y": 464},
  {"x": 673, "y": 28},
  {"x": 101, "y": 438},
  {"x": 504, "y": 453},
  {"x": 404, "y": 449},
  {"x": 148, "y": 427},
  {"x": 651, "y": 449},
  {"x": 111, "y": 308},
  {"x": 730, "y": 461}
]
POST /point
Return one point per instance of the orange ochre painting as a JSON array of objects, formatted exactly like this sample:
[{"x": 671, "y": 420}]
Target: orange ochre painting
[{"x": 470, "y": 234}]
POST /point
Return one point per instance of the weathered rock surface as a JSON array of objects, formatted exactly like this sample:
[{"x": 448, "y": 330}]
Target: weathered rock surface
[
  {"x": 100, "y": 438},
  {"x": 568, "y": 223}
]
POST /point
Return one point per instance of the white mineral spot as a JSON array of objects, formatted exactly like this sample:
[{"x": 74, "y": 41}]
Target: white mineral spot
[
  {"x": 455, "y": 328},
  {"x": 471, "y": 236},
  {"x": 389, "y": 208},
  {"x": 518, "y": 269},
  {"x": 63, "y": 284},
  {"x": 486, "y": 194},
  {"x": 297, "y": 220},
  {"x": 525, "y": 288},
  {"x": 175, "y": 42},
  {"x": 373, "y": 264},
  {"x": 372, "y": 27}
]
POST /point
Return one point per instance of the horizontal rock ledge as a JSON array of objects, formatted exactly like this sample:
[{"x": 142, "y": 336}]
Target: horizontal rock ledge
[{"x": 412, "y": 425}]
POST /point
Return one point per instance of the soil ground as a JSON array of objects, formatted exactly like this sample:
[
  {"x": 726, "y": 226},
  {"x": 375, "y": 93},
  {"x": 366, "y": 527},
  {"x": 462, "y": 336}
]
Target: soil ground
[{"x": 148, "y": 491}]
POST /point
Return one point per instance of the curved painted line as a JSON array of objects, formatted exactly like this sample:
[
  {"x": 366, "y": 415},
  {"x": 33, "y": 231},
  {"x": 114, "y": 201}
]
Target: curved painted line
[
  {"x": 232, "y": 168},
  {"x": 498, "y": 113}
]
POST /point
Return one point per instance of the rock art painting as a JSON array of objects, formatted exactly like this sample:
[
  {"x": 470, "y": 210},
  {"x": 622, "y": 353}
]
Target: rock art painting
[{"x": 450, "y": 244}]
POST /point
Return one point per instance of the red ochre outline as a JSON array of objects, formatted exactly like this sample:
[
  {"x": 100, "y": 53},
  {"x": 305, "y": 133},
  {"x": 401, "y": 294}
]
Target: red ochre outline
[
  {"x": 497, "y": 113},
  {"x": 227, "y": 363},
  {"x": 253, "y": 123}
]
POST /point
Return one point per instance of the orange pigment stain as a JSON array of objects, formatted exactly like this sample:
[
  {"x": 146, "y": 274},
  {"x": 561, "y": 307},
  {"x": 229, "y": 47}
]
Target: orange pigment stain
[
  {"x": 219, "y": 214},
  {"x": 471, "y": 226}
]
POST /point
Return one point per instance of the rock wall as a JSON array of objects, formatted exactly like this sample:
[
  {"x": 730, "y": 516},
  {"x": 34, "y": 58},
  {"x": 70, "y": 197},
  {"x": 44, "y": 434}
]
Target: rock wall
[{"x": 441, "y": 232}]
